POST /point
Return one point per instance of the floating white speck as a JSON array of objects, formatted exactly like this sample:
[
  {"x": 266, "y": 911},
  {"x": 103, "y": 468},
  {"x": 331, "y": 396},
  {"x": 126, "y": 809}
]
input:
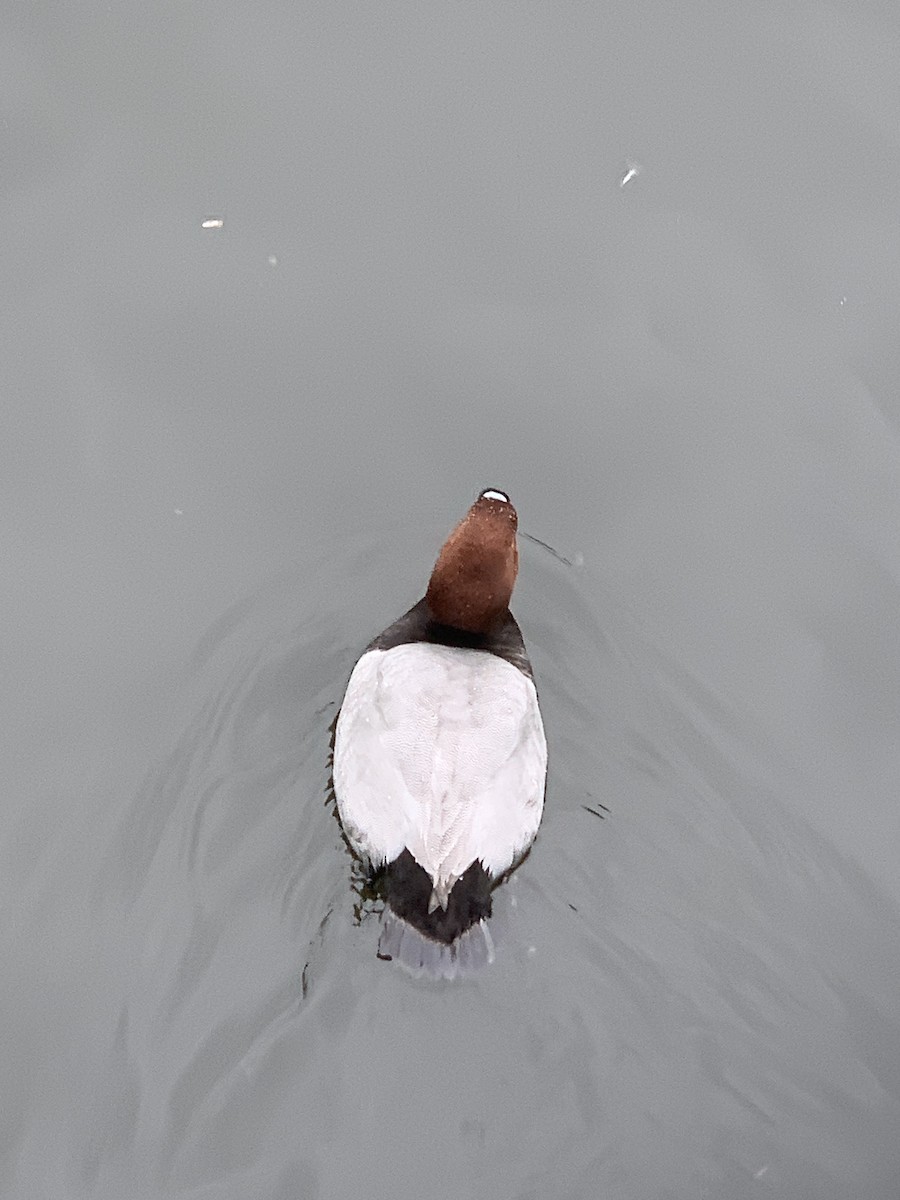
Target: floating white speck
[
  {"x": 634, "y": 169},
  {"x": 842, "y": 301},
  {"x": 212, "y": 222},
  {"x": 273, "y": 261},
  {"x": 532, "y": 950},
  {"x": 762, "y": 1170},
  {"x": 179, "y": 512}
]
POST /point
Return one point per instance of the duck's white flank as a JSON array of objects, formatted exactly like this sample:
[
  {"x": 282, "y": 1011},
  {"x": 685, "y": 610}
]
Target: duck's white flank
[{"x": 441, "y": 751}]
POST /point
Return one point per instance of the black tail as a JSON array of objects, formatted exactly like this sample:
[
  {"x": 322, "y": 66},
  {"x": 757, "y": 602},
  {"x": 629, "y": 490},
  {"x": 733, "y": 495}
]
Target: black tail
[{"x": 442, "y": 943}]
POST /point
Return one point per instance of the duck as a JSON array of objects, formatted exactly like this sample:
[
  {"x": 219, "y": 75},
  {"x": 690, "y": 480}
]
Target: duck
[{"x": 440, "y": 754}]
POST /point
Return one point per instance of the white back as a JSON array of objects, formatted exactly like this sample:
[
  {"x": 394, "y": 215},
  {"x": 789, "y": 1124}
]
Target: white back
[{"x": 440, "y": 750}]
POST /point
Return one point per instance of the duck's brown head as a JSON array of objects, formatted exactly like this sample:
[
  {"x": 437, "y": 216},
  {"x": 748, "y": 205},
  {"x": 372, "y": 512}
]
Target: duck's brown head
[{"x": 474, "y": 576}]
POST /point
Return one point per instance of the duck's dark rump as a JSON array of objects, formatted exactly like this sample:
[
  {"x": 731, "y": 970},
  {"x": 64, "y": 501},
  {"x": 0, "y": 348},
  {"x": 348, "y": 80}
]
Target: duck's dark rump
[
  {"x": 444, "y": 943},
  {"x": 407, "y": 890}
]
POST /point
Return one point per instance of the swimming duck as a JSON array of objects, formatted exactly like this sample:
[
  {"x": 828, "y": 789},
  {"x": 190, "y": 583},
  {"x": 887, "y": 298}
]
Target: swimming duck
[{"x": 440, "y": 759}]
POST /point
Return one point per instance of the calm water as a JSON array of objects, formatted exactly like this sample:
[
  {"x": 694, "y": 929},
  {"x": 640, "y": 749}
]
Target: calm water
[{"x": 230, "y": 457}]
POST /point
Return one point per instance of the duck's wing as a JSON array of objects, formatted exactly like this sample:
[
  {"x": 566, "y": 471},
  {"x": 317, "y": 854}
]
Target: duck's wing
[
  {"x": 369, "y": 786},
  {"x": 440, "y": 750}
]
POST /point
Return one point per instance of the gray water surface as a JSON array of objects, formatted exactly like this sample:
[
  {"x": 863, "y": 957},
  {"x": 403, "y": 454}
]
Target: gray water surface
[{"x": 639, "y": 267}]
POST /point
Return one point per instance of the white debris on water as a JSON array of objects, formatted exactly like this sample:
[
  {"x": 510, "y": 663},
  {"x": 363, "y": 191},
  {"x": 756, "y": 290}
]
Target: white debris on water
[{"x": 634, "y": 169}]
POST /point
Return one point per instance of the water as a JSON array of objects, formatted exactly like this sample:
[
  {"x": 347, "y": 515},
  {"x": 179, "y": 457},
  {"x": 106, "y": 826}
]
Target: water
[
  {"x": 691, "y": 995},
  {"x": 231, "y": 455}
]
